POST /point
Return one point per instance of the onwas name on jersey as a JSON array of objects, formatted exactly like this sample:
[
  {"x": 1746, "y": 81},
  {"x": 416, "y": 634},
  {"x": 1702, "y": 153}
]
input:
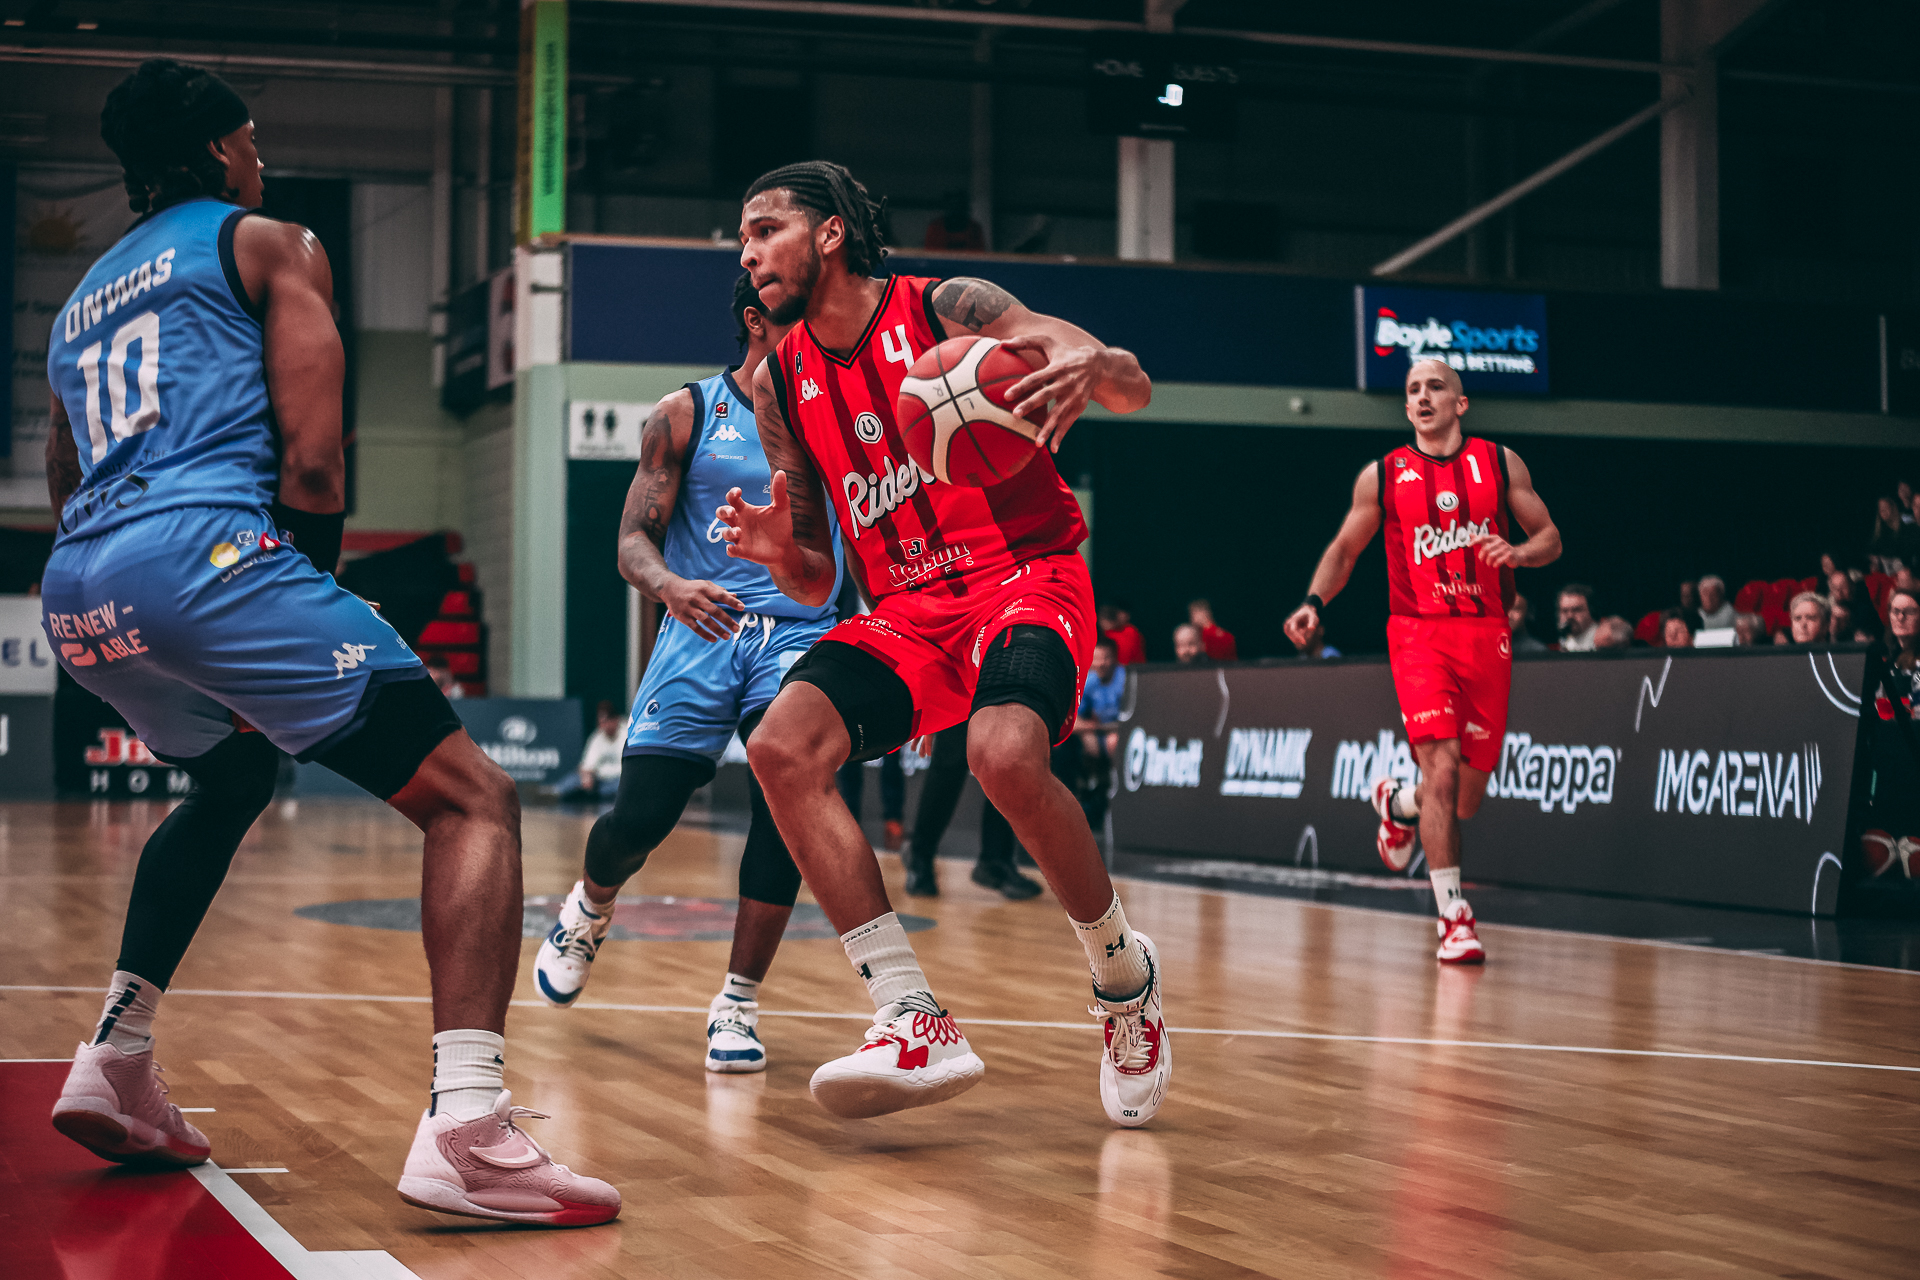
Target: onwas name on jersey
[{"x": 94, "y": 307}]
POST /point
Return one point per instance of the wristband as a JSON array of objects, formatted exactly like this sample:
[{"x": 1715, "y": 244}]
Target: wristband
[
  {"x": 317, "y": 537},
  {"x": 1314, "y": 600}
]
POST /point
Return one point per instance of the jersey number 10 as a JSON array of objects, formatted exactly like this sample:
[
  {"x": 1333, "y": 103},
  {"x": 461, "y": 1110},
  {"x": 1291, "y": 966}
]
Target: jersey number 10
[{"x": 145, "y": 330}]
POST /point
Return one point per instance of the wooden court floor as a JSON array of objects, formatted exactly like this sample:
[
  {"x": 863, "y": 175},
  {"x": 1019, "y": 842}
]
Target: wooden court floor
[{"x": 1340, "y": 1108}]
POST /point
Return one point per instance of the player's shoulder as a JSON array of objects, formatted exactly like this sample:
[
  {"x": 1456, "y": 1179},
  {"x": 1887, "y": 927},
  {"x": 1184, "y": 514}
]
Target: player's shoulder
[{"x": 257, "y": 232}]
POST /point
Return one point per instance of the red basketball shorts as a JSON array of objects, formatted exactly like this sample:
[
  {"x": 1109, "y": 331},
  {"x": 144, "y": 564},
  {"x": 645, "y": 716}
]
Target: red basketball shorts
[
  {"x": 1453, "y": 676},
  {"x": 934, "y": 641}
]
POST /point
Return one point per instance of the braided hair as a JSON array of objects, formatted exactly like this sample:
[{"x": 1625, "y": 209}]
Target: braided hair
[
  {"x": 159, "y": 120},
  {"x": 828, "y": 190}
]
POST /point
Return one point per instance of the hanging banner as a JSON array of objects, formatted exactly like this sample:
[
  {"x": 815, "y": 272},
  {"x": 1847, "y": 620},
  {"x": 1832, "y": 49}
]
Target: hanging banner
[{"x": 540, "y": 202}]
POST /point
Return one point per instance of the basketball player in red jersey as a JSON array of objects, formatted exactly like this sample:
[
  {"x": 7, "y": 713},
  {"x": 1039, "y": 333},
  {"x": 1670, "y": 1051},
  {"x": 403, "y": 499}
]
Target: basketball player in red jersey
[
  {"x": 983, "y": 613},
  {"x": 1449, "y": 502}
]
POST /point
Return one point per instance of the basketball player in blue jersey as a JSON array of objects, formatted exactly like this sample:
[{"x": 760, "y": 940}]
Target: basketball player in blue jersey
[
  {"x": 730, "y": 637},
  {"x": 195, "y": 466}
]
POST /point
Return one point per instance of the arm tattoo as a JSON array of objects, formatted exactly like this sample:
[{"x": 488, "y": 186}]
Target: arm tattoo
[
  {"x": 970, "y": 303},
  {"x": 785, "y": 453},
  {"x": 656, "y": 485},
  {"x": 63, "y": 460}
]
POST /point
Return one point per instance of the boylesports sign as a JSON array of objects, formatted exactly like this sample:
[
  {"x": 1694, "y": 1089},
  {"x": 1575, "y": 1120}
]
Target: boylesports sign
[{"x": 1496, "y": 342}]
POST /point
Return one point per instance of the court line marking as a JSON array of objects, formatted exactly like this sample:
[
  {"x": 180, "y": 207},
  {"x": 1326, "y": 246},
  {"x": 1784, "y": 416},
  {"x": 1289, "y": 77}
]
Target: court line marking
[
  {"x": 185, "y": 1110},
  {"x": 224, "y": 1169},
  {"x": 1090, "y": 1025},
  {"x": 344, "y": 1264}
]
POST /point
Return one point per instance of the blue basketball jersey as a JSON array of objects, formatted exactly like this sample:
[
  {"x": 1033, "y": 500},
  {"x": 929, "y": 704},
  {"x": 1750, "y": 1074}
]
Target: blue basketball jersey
[
  {"x": 724, "y": 454},
  {"x": 157, "y": 357}
]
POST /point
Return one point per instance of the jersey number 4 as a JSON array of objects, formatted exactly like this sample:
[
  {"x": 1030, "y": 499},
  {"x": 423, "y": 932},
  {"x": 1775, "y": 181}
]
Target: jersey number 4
[{"x": 145, "y": 330}]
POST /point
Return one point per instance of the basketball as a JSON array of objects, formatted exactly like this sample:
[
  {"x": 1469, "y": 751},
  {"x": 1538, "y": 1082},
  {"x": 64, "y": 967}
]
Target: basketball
[{"x": 955, "y": 417}]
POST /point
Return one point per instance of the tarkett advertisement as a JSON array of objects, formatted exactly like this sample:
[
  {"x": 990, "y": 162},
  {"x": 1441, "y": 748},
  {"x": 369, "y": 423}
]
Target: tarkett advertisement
[{"x": 1710, "y": 777}]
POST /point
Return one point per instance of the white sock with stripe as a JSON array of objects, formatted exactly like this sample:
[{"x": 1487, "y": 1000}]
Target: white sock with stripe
[
  {"x": 127, "y": 1021},
  {"x": 884, "y": 959},
  {"x": 469, "y": 1071}
]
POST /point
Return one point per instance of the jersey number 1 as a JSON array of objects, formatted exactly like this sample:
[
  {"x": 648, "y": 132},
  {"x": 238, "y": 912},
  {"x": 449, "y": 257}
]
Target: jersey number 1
[{"x": 145, "y": 330}]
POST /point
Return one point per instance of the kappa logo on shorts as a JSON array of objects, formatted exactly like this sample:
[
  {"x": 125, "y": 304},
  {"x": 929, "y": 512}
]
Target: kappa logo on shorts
[{"x": 348, "y": 657}]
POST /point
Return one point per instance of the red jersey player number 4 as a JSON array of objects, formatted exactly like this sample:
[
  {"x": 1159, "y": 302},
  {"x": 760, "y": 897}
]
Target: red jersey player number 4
[{"x": 949, "y": 566}]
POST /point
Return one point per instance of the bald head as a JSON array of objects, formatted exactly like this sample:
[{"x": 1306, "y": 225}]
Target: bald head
[{"x": 1423, "y": 369}]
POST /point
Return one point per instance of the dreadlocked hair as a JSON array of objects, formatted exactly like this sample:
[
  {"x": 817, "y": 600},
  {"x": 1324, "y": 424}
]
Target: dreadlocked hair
[
  {"x": 149, "y": 122},
  {"x": 744, "y": 296},
  {"x": 827, "y": 189}
]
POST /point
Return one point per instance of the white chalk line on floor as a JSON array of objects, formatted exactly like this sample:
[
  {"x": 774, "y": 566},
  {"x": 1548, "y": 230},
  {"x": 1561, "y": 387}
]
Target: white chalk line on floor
[{"x": 1088, "y": 1025}]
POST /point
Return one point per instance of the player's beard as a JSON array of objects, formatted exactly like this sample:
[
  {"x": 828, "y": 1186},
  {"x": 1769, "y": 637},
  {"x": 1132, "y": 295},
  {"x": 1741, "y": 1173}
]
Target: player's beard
[{"x": 799, "y": 293}]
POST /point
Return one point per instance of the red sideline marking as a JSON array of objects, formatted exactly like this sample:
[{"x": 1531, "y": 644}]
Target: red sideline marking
[{"x": 64, "y": 1212}]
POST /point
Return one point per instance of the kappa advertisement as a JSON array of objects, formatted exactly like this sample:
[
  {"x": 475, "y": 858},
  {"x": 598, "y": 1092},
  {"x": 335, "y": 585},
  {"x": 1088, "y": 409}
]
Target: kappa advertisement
[{"x": 1707, "y": 777}]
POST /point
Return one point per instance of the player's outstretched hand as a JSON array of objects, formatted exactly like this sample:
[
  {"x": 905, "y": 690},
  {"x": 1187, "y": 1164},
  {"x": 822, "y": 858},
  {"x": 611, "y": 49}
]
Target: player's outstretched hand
[
  {"x": 763, "y": 535},
  {"x": 701, "y": 607},
  {"x": 1066, "y": 378},
  {"x": 1496, "y": 551},
  {"x": 1300, "y": 625}
]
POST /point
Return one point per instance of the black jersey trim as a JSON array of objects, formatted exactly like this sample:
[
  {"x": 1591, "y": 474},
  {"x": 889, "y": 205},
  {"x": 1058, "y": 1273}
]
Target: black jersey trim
[
  {"x": 1465, "y": 440},
  {"x": 699, "y": 420},
  {"x": 866, "y": 334},
  {"x": 743, "y": 397},
  {"x": 934, "y": 322},
  {"x": 230, "y": 268},
  {"x": 778, "y": 376}
]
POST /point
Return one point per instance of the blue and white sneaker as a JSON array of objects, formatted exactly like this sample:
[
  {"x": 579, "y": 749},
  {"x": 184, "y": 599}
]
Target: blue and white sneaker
[
  {"x": 566, "y": 954},
  {"x": 733, "y": 1046}
]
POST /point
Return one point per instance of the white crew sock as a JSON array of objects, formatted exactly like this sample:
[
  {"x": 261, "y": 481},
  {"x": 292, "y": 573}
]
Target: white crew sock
[
  {"x": 601, "y": 912},
  {"x": 883, "y": 957},
  {"x": 1402, "y": 806},
  {"x": 739, "y": 990},
  {"x": 469, "y": 1071},
  {"x": 1446, "y": 890},
  {"x": 1119, "y": 966},
  {"x": 126, "y": 1022}
]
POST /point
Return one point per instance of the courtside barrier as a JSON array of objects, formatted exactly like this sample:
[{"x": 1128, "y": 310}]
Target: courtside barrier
[{"x": 1716, "y": 777}]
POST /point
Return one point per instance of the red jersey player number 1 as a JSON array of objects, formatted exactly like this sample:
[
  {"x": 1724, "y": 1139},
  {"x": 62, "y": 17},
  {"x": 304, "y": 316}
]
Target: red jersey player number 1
[{"x": 1450, "y": 505}]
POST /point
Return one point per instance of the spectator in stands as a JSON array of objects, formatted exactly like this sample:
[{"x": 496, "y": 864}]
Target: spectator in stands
[
  {"x": 1910, "y": 534},
  {"x": 955, "y": 229},
  {"x": 598, "y": 776},
  {"x": 1612, "y": 635},
  {"x": 1902, "y": 646},
  {"x": 1890, "y": 543},
  {"x": 1839, "y": 588},
  {"x": 1116, "y": 623},
  {"x": 1576, "y": 618},
  {"x": 1100, "y": 704},
  {"x": 443, "y": 676},
  {"x": 1839, "y": 623},
  {"x": 1749, "y": 629},
  {"x": 1523, "y": 641},
  {"x": 1904, "y": 493},
  {"x": 1807, "y": 617},
  {"x": 1218, "y": 640},
  {"x": 1316, "y": 646},
  {"x": 1906, "y": 579},
  {"x": 1188, "y": 648},
  {"x": 1676, "y": 628},
  {"x": 1690, "y": 597},
  {"x": 1715, "y": 609}
]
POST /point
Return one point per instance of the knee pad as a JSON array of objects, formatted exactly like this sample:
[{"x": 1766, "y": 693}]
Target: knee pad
[
  {"x": 1031, "y": 666},
  {"x": 767, "y": 871}
]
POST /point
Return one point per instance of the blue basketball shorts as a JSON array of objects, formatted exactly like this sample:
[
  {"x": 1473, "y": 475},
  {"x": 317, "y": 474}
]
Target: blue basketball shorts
[
  {"x": 189, "y": 617},
  {"x": 696, "y": 691}
]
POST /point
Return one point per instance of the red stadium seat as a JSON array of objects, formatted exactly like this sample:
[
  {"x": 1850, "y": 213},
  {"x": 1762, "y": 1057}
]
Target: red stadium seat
[
  {"x": 1749, "y": 597},
  {"x": 1815, "y": 583},
  {"x": 457, "y": 604},
  {"x": 1649, "y": 630},
  {"x": 1780, "y": 594},
  {"x": 440, "y": 633},
  {"x": 1775, "y": 618}
]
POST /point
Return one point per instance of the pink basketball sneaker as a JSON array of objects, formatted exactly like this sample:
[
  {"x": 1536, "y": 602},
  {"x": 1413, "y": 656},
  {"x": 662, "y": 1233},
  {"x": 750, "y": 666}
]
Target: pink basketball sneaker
[
  {"x": 488, "y": 1168},
  {"x": 115, "y": 1106},
  {"x": 914, "y": 1055}
]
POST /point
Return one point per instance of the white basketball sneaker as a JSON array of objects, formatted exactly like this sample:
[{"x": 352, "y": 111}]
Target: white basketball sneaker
[
  {"x": 1137, "y": 1061},
  {"x": 488, "y": 1167},
  {"x": 914, "y": 1055},
  {"x": 1459, "y": 939},
  {"x": 733, "y": 1044},
  {"x": 1394, "y": 838},
  {"x": 115, "y": 1106},
  {"x": 566, "y": 953}
]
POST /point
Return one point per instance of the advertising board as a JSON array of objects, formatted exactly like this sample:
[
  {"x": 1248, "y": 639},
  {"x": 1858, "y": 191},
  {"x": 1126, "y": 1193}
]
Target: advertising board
[
  {"x": 1497, "y": 342},
  {"x": 1706, "y": 777}
]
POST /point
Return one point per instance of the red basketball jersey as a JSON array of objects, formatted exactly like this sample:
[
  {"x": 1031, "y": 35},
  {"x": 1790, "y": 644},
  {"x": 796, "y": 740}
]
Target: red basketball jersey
[
  {"x": 1432, "y": 509},
  {"x": 910, "y": 531}
]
